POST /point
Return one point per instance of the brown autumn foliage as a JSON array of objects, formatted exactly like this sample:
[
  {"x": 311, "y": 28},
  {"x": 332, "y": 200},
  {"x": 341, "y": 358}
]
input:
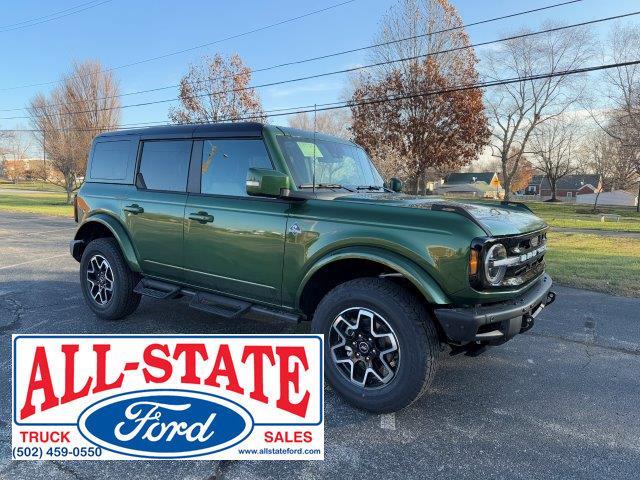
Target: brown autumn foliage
[
  {"x": 393, "y": 109},
  {"x": 523, "y": 175},
  {"x": 84, "y": 104},
  {"x": 217, "y": 90}
]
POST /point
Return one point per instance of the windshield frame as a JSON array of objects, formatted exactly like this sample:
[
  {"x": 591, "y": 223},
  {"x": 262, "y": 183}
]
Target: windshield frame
[{"x": 366, "y": 170}]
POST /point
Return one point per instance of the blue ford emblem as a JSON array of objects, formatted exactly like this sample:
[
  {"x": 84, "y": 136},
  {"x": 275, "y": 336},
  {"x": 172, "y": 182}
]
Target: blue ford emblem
[{"x": 165, "y": 423}]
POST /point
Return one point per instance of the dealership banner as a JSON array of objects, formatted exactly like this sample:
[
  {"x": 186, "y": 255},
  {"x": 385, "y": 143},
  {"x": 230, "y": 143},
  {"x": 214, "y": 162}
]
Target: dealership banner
[{"x": 201, "y": 397}]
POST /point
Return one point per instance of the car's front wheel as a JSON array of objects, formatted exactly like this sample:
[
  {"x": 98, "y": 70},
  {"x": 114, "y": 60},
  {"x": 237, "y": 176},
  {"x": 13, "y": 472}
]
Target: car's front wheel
[
  {"x": 107, "y": 281},
  {"x": 381, "y": 346}
]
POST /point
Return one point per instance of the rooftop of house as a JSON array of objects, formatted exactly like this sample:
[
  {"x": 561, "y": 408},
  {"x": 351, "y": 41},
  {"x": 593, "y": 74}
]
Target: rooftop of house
[
  {"x": 470, "y": 177},
  {"x": 573, "y": 182}
]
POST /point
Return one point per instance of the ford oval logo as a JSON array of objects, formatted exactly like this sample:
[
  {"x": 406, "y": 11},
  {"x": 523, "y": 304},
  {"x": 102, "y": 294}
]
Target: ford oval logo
[{"x": 165, "y": 423}]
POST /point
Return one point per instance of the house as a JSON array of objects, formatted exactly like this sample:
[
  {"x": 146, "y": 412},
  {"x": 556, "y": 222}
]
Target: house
[
  {"x": 616, "y": 197},
  {"x": 490, "y": 178},
  {"x": 570, "y": 186},
  {"x": 472, "y": 184},
  {"x": 534, "y": 186}
]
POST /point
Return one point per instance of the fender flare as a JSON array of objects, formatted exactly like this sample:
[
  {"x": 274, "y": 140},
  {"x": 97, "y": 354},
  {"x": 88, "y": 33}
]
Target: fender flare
[
  {"x": 424, "y": 282},
  {"x": 119, "y": 233}
]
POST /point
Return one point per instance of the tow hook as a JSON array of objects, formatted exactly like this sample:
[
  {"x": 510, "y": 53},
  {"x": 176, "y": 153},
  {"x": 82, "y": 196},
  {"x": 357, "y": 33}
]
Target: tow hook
[{"x": 551, "y": 297}]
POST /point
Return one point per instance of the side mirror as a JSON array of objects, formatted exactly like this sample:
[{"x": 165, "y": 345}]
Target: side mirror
[
  {"x": 395, "y": 184},
  {"x": 267, "y": 183}
]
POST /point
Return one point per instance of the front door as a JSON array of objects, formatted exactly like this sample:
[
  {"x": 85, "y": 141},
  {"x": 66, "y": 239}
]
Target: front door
[
  {"x": 234, "y": 243},
  {"x": 154, "y": 210}
]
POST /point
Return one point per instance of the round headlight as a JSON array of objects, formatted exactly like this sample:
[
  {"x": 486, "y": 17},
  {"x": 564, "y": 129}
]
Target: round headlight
[{"x": 493, "y": 274}]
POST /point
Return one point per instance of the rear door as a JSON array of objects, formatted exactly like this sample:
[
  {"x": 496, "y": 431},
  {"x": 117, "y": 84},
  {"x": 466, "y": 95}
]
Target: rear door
[
  {"x": 154, "y": 210},
  {"x": 233, "y": 243}
]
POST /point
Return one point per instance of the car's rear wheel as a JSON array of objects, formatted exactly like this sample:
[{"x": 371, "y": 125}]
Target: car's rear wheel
[
  {"x": 381, "y": 346},
  {"x": 107, "y": 281}
]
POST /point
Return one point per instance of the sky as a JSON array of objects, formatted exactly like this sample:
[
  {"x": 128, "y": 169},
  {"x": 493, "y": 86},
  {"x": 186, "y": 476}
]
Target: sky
[{"x": 121, "y": 32}]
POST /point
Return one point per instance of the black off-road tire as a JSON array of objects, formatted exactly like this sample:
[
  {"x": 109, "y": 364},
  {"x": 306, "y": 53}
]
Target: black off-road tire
[
  {"x": 123, "y": 300},
  {"x": 413, "y": 326}
]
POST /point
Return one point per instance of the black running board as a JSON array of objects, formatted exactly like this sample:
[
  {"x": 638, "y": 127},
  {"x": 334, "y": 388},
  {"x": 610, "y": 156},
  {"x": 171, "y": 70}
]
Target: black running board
[
  {"x": 219, "y": 305},
  {"x": 156, "y": 289},
  {"x": 215, "y": 304}
]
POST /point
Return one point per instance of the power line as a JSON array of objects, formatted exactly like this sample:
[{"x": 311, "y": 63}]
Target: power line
[
  {"x": 348, "y": 70},
  {"x": 349, "y": 104},
  {"x": 178, "y": 52},
  {"x": 52, "y": 16},
  {"x": 343, "y": 52}
]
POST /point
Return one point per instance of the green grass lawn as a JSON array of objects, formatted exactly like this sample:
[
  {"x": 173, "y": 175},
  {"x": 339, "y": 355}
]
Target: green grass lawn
[
  {"x": 570, "y": 215},
  {"x": 40, "y": 186},
  {"x": 607, "y": 264},
  {"x": 46, "y": 203}
]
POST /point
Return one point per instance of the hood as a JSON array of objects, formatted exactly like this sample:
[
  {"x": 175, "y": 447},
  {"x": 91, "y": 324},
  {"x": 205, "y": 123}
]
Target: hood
[{"x": 496, "y": 218}]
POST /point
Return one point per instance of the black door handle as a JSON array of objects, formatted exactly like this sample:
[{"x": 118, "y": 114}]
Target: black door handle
[
  {"x": 135, "y": 209},
  {"x": 202, "y": 217}
]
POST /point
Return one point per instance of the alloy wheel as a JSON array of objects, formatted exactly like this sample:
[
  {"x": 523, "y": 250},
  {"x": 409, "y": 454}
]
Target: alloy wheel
[
  {"x": 364, "y": 347},
  {"x": 100, "y": 279}
]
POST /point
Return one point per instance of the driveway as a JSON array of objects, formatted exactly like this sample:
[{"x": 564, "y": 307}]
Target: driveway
[{"x": 562, "y": 401}]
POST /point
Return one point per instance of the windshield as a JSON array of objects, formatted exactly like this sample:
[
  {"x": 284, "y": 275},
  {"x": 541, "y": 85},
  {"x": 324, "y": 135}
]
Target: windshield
[{"x": 336, "y": 164}]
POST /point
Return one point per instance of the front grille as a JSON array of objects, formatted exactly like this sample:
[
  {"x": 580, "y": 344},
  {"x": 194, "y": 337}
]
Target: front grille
[{"x": 530, "y": 249}]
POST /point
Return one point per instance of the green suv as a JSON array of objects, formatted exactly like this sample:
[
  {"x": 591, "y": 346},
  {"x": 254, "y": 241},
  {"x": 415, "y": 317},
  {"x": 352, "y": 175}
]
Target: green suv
[{"x": 248, "y": 218}]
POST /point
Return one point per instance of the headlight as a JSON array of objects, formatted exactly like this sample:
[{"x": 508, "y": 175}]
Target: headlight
[{"x": 495, "y": 275}]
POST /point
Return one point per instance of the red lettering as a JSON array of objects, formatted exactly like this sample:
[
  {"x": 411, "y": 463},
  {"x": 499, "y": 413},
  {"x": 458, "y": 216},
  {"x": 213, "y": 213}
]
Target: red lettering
[
  {"x": 258, "y": 352},
  {"x": 69, "y": 377},
  {"x": 190, "y": 351},
  {"x": 41, "y": 366},
  {"x": 156, "y": 362},
  {"x": 223, "y": 367},
  {"x": 293, "y": 377},
  {"x": 101, "y": 367}
]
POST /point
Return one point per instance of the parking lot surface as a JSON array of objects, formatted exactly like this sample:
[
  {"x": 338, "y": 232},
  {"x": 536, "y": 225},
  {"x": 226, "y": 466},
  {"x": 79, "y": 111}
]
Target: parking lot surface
[{"x": 562, "y": 401}]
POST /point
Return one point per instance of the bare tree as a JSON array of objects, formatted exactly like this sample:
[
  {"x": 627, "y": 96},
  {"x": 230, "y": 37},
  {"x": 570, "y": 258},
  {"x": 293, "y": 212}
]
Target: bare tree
[
  {"x": 332, "y": 122},
  {"x": 428, "y": 132},
  {"x": 84, "y": 104},
  {"x": 217, "y": 90},
  {"x": 14, "y": 152},
  {"x": 516, "y": 110},
  {"x": 601, "y": 150},
  {"x": 554, "y": 145},
  {"x": 623, "y": 92}
]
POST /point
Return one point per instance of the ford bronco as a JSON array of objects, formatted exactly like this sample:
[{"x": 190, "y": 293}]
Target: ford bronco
[{"x": 256, "y": 219}]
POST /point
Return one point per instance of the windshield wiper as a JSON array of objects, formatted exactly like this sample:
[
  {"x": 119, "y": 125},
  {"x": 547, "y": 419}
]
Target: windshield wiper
[
  {"x": 369, "y": 187},
  {"x": 324, "y": 185}
]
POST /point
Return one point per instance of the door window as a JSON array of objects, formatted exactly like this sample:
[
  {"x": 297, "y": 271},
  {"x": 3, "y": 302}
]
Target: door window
[
  {"x": 164, "y": 165},
  {"x": 225, "y": 164}
]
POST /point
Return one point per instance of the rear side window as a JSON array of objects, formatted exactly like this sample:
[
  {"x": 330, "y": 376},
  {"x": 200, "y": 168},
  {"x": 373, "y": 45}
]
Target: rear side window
[
  {"x": 225, "y": 164},
  {"x": 110, "y": 160},
  {"x": 164, "y": 165}
]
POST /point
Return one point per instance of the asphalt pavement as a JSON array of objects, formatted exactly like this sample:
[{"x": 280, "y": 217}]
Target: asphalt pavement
[{"x": 562, "y": 401}]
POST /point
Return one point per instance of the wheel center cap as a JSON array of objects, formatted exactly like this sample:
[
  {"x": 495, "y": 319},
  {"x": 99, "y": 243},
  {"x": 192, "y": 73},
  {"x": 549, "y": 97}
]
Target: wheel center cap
[{"x": 363, "y": 347}]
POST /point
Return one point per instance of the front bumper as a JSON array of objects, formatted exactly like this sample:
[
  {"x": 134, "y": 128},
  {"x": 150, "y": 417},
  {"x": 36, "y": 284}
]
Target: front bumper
[{"x": 497, "y": 322}]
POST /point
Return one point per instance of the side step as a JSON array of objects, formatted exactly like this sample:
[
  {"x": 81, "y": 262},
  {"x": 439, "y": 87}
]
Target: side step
[
  {"x": 219, "y": 305},
  {"x": 156, "y": 289}
]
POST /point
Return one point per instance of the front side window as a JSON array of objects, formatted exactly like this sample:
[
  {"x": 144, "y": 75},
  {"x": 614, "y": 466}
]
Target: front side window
[
  {"x": 225, "y": 164},
  {"x": 164, "y": 165},
  {"x": 335, "y": 163}
]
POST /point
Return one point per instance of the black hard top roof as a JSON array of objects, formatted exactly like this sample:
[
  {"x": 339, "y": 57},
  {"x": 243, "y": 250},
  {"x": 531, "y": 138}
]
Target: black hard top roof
[
  {"x": 203, "y": 130},
  {"x": 249, "y": 129}
]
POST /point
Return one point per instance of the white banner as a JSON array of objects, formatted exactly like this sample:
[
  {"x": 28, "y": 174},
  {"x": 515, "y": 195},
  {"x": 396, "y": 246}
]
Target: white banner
[{"x": 204, "y": 397}]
